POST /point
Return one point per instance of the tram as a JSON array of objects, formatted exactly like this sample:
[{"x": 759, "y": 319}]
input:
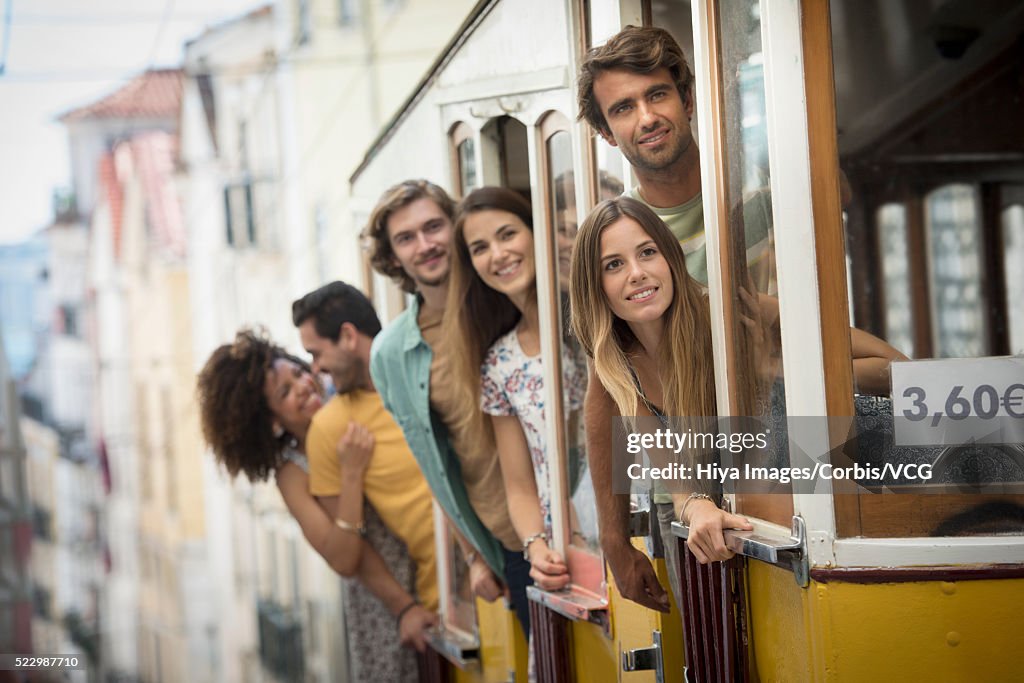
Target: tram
[{"x": 889, "y": 138}]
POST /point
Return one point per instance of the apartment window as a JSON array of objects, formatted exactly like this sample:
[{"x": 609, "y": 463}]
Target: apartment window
[
  {"x": 303, "y": 22},
  {"x": 142, "y": 444},
  {"x": 250, "y": 207},
  {"x": 168, "y": 428},
  {"x": 241, "y": 224},
  {"x": 348, "y": 12}
]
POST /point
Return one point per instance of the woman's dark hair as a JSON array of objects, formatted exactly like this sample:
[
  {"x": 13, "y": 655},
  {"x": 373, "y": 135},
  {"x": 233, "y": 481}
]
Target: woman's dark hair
[
  {"x": 236, "y": 420},
  {"x": 475, "y": 315}
]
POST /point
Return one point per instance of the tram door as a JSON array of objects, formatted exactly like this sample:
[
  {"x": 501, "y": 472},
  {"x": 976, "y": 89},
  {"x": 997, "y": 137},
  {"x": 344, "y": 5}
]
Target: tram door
[{"x": 894, "y": 152}]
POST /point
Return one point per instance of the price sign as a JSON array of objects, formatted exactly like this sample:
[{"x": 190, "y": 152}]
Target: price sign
[{"x": 958, "y": 401}]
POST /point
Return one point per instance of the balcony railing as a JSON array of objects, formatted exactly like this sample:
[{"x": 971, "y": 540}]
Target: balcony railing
[{"x": 280, "y": 641}]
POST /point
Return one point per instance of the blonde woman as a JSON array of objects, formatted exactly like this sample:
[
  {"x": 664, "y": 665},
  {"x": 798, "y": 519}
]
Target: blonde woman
[{"x": 646, "y": 324}]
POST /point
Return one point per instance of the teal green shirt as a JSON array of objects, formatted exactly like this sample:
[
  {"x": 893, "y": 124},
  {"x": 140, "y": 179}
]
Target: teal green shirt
[{"x": 400, "y": 367}]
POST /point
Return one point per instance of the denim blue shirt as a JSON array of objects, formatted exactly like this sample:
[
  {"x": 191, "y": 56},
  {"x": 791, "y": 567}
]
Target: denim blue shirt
[{"x": 400, "y": 366}]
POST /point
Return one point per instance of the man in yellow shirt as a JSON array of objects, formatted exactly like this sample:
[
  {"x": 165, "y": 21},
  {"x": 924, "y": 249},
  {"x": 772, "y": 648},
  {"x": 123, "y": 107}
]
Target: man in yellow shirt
[{"x": 337, "y": 325}]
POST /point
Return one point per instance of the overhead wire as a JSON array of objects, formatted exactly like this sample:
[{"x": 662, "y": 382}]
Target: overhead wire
[
  {"x": 114, "y": 73},
  {"x": 161, "y": 28}
]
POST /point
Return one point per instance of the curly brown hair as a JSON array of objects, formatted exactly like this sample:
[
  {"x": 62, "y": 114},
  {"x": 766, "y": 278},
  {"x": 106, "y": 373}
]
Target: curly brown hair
[
  {"x": 375, "y": 234},
  {"x": 640, "y": 49},
  {"x": 236, "y": 420}
]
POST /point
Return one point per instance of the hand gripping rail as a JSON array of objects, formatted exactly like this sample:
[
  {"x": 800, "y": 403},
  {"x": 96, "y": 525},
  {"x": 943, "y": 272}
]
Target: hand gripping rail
[{"x": 785, "y": 552}]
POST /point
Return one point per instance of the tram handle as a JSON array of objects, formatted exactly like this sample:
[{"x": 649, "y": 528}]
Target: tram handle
[{"x": 787, "y": 552}]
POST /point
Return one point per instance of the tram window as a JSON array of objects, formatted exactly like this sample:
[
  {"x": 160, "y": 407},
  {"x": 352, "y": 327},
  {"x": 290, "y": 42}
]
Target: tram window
[
  {"x": 758, "y": 386},
  {"x": 583, "y": 548},
  {"x": 505, "y": 154},
  {"x": 927, "y": 128},
  {"x": 463, "y": 157},
  {"x": 958, "y": 303},
  {"x": 676, "y": 17},
  {"x": 467, "y": 166},
  {"x": 1013, "y": 256},
  {"x": 892, "y": 238},
  {"x": 460, "y": 607}
]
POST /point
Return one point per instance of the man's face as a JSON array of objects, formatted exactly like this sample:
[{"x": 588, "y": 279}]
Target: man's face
[
  {"x": 420, "y": 234},
  {"x": 338, "y": 359},
  {"x": 647, "y": 119}
]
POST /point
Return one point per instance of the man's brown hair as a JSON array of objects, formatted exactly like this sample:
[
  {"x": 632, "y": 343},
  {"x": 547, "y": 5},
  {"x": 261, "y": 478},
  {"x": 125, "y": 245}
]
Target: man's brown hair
[
  {"x": 375, "y": 234},
  {"x": 641, "y": 49}
]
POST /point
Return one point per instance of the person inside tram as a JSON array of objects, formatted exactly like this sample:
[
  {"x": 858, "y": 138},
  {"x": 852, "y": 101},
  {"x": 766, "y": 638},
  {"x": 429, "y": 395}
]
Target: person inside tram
[
  {"x": 256, "y": 402},
  {"x": 492, "y": 333},
  {"x": 337, "y": 324},
  {"x": 646, "y": 323},
  {"x": 566, "y": 217},
  {"x": 636, "y": 92},
  {"x": 409, "y": 239}
]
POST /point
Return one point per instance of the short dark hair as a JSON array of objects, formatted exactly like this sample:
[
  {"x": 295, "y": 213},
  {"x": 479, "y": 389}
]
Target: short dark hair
[
  {"x": 640, "y": 49},
  {"x": 375, "y": 234},
  {"x": 333, "y": 305}
]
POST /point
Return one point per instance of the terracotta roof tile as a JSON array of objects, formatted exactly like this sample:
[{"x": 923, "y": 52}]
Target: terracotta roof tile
[{"x": 155, "y": 93}]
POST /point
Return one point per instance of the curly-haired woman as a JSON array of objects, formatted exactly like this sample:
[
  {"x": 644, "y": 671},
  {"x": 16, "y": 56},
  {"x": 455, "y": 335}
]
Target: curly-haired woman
[{"x": 256, "y": 404}]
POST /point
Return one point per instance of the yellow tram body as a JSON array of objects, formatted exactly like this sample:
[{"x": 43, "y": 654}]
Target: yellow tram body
[{"x": 907, "y": 631}]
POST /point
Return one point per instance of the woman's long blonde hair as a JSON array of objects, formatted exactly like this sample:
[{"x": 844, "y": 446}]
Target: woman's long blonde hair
[
  {"x": 685, "y": 360},
  {"x": 475, "y": 316}
]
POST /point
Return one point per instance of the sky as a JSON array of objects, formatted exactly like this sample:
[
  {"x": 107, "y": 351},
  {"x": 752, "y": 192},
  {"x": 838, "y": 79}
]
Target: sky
[{"x": 58, "y": 55}]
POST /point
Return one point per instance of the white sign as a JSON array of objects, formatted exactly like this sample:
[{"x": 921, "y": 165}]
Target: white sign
[{"x": 959, "y": 400}]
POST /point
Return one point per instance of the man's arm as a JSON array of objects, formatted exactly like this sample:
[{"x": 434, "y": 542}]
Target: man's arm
[
  {"x": 632, "y": 570},
  {"x": 482, "y": 580},
  {"x": 871, "y": 360}
]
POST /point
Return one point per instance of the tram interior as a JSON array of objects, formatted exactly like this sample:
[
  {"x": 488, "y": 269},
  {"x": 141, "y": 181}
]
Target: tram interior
[
  {"x": 928, "y": 97},
  {"x": 932, "y": 149}
]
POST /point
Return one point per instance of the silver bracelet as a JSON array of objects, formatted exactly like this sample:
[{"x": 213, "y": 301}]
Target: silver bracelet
[
  {"x": 689, "y": 499},
  {"x": 531, "y": 539}
]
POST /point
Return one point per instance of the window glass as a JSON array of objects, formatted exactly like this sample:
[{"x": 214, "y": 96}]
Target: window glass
[
  {"x": 892, "y": 238},
  {"x": 467, "y": 166},
  {"x": 958, "y": 305},
  {"x": 582, "y": 552},
  {"x": 460, "y": 612},
  {"x": 920, "y": 125},
  {"x": 758, "y": 388},
  {"x": 1013, "y": 257},
  {"x": 563, "y": 216}
]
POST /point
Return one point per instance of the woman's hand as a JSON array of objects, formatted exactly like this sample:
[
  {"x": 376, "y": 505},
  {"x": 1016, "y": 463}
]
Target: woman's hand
[
  {"x": 706, "y": 521},
  {"x": 547, "y": 568},
  {"x": 355, "y": 449}
]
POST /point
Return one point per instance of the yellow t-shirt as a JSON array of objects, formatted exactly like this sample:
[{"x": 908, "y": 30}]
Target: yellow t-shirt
[{"x": 393, "y": 482}]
